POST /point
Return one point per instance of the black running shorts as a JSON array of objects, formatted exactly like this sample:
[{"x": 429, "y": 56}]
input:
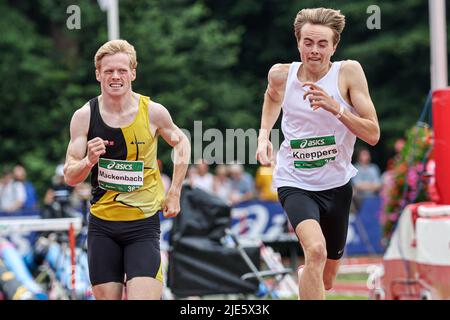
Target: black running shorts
[
  {"x": 330, "y": 208},
  {"x": 123, "y": 248}
]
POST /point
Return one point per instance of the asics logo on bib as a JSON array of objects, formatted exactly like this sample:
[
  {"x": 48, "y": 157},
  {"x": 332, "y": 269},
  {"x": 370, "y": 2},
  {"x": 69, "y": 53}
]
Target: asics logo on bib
[
  {"x": 111, "y": 165},
  {"x": 119, "y": 166},
  {"x": 312, "y": 143},
  {"x": 314, "y": 152}
]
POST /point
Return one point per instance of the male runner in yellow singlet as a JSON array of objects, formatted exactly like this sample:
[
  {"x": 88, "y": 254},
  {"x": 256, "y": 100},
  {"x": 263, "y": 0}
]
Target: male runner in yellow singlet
[{"x": 114, "y": 137}]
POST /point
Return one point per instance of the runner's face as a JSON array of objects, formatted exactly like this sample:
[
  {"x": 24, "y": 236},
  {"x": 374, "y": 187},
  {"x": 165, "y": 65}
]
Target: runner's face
[
  {"x": 115, "y": 75},
  {"x": 316, "y": 46}
]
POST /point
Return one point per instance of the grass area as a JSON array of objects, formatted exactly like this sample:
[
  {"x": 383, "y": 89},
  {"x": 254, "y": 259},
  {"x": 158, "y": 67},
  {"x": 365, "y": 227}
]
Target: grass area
[
  {"x": 352, "y": 277},
  {"x": 345, "y": 297}
]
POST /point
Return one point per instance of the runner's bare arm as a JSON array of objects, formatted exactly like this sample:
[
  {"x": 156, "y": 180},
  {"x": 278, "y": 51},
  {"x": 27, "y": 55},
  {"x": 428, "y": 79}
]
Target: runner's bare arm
[
  {"x": 78, "y": 164},
  {"x": 161, "y": 119},
  {"x": 273, "y": 97},
  {"x": 364, "y": 125},
  {"x": 175, "y": 138}
]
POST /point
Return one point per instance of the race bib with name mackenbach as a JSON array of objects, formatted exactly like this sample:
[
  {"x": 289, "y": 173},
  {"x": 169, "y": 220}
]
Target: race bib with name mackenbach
[
  {"x": 315, "y": 152},
  {"x": 120, "y": 175}
]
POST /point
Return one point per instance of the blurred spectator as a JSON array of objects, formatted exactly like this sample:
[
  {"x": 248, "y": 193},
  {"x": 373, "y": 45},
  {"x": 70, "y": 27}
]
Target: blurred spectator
[
  {"x": 242, "y": 186},
  {"x": 398, "y": 147},
  {"x": 387, "y": 179},
  {"x": 80, "y": 199},
  {"x": 367, "y": 181},
  {"x": 61, "y": 189},
  {"x": 222, "y": 184},
  {"x": 12, "y": 193},
  {"x": 263, "y": 182},
  {"x": 191, "y": 173},
  {"x": 164, "y": 177},
  {"x": 20, "y": 174},
  {"x": 201, "y": 178},
  {"x": 57, "y": 202}
]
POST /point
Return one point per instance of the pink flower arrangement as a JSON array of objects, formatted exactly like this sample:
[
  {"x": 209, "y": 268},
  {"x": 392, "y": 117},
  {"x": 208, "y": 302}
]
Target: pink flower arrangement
[{"x": 406, "y": 182}]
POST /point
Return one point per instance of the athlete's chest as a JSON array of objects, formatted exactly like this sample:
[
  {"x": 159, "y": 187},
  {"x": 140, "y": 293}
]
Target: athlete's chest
[{"x": 119, "y": 120}]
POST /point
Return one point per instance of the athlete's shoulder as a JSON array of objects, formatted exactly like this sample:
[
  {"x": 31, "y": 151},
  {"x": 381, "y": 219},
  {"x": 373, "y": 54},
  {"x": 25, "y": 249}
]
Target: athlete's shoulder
[
  {"x": 80, "y": 120},
  {"x": 154, "y": 106},
  {"x": 158, "y": 114},
  {"x": 82, "y": 116},
  {"x": 278, "y": 73},
  {"x": 351, "y": 67},
  {"x": 352, "y": 73},
  {"x": 83, "y": 112}
]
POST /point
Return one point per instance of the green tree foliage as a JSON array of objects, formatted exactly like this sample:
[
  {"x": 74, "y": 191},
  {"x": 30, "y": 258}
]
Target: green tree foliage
[
  {"x": 184, "y": 60},
  {"x": 396, "y": 58},
  {"x": 204, "y": 60},
  {"x": 42, "y": 85}
]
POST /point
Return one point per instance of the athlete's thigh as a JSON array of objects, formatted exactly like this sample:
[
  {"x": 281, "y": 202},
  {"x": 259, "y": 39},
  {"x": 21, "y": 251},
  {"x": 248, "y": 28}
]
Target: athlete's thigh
[
  {"x": 334, "y": 222},
  {"x": 298, "y": 205},
  {"x": 142, "y": 256},
  {"x": 105, "y": 256},
  {"x": 143, "y": 259}
]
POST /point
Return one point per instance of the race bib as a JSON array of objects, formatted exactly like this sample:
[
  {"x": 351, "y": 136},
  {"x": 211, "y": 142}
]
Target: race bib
[
  {"x": 120, "y": 175},
  {"x": 313, "y": 152}
]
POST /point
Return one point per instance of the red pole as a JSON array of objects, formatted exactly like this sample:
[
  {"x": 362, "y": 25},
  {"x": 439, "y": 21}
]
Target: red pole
[
  {"x": 72, "y": 257},
  {"x": 441, "y": 128}
]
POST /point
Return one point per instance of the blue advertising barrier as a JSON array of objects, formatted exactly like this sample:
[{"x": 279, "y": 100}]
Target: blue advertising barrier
[
  {"x": 255, "y": 219},
  {"x": 266, "y": 221},
  {"x": 263, "y": 220},
  {"x": 364, "y": 230}
]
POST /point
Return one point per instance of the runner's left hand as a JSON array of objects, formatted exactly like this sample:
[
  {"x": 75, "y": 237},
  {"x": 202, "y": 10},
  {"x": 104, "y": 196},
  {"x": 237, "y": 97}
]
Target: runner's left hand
[
  {"x": 171, "y": 206},
  {"x": 320, "y": 99}
]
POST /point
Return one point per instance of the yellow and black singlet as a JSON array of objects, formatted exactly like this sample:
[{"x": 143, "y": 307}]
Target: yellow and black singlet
[{"x": 126, "y": 182}]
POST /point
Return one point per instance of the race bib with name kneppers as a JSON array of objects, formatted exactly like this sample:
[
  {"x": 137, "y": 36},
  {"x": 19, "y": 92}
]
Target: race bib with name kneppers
[
  {"x": 120, "y": 175},
  {"x": 310, "y": 153}
]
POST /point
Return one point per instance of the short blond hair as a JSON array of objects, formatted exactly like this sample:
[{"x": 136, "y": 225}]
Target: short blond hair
[
  {"x": 331, "y": 18},
  {"x": 113, "y": 47}
]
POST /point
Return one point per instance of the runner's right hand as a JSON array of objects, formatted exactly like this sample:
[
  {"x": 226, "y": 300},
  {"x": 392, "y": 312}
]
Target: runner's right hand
[
  {"x": 264, "y": 151},
  {"x": 95, "y": 148}
]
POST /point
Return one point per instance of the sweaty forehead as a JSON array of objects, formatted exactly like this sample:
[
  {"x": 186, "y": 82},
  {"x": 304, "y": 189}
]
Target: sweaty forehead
[
  {"x": 115, "y": 60},
  {"x": 316, "y": 32}
]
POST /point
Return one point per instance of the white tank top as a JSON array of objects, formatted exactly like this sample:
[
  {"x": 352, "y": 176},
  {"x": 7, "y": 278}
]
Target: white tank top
[{"x": 317, "y": 151}]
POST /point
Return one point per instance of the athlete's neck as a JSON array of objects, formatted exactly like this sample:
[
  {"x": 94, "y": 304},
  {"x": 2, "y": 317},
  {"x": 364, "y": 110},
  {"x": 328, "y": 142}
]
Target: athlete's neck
[
  {"x": 118, "y": 104},
  {"x": 304, "y": 74}
]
